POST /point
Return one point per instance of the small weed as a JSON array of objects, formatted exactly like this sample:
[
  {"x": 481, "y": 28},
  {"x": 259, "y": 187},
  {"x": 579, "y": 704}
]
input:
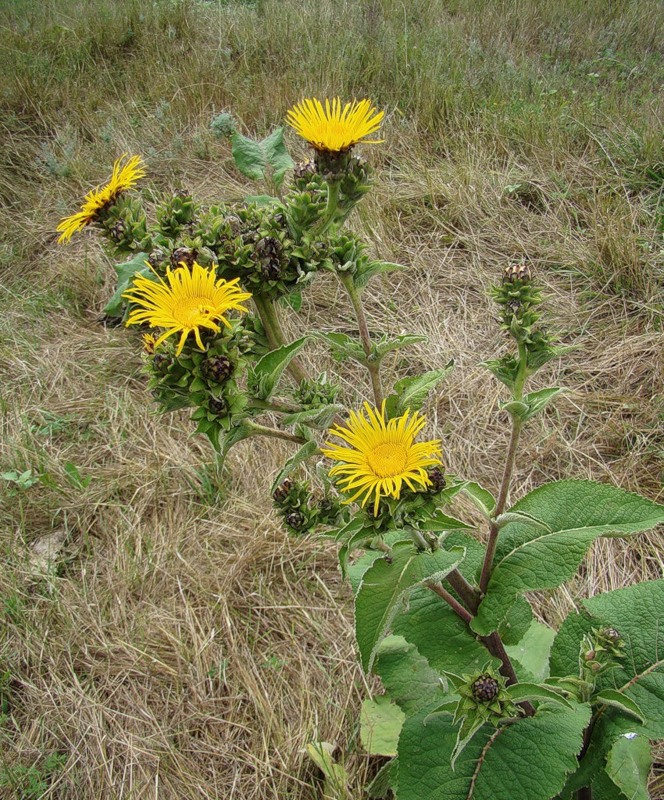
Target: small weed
[{"x": 30, "y": 783}]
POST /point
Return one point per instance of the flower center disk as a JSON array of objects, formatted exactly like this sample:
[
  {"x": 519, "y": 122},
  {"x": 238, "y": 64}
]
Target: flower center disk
[
  {"x": 388, "y": 459},
  {"x": 193, "y": 311}
]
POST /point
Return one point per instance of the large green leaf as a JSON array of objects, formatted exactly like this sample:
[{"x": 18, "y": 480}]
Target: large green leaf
[
  {"x": 637, "y": 612},
  {"x": 249, "y": 156},
  {"x": 527, "y": 760},
  {"x": 270, "y": 367},
  {"x": 529, "y": 557},
  {"x": 407, "y": 676},
  {"x": 387, "y": 583},
  {"x": 440, "y": 636}
]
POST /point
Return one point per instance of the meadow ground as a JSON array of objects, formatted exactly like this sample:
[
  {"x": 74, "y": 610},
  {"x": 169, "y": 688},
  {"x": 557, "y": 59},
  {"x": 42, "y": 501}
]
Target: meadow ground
[{"x": 185, "y": 646}]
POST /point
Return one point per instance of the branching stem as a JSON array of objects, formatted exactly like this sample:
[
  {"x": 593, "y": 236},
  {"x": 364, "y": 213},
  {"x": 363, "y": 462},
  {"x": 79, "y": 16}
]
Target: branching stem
[
  {"x": 275, "y": 433},
  {"x": 358, "y": 307}
]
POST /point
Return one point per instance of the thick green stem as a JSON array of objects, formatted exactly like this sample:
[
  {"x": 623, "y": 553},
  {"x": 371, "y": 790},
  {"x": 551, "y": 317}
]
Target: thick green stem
[
  {"x": 267, "y": 311},
  {"x": 373, "y": 367},
  {"x": 275, "y": 433},
  {"x": 279, "y": 406},
  {"x": 503, "y": 494}
]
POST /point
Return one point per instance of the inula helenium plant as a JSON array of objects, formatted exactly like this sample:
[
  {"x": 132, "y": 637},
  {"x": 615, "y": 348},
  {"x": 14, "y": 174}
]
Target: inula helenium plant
[{"x": 480, "y": 699}]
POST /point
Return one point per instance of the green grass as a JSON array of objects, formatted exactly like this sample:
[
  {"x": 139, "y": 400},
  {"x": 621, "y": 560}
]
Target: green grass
[{"x": 183, "y": 646}]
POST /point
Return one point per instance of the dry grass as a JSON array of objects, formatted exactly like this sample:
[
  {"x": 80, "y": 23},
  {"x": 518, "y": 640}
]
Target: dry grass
[{"x": 187, "y": 647}]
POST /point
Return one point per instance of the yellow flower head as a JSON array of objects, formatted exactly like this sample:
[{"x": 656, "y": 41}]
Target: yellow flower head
[
  {"x": 382, "y": 455},
  {"x": 333, "y": 128},
  {"x": 124, "y": 177},
  {"x": 191, "y": 300}
]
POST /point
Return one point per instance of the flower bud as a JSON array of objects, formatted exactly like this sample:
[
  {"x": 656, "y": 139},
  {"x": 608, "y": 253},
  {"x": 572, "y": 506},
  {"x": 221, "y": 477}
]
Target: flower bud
[
  {"x": 296, "y": 520},
  {"x": 218, "y": 406},
  {"x": 437, "y": 478},
  {"x": 485, "y": 688},
  {"x": 218, "y": 368}
]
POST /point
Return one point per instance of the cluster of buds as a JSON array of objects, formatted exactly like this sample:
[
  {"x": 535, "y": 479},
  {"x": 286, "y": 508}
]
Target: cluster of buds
[
  {"x": 302, "y": 512},
  {"x": 518, "y": 299},
  {"x": 125, "y": 225},
  {"x": 176, "y": 215},
  {"x": 601, "y": 650},
  {"x": 317, "y": 392},
  {"x": 204, "y": 380}
]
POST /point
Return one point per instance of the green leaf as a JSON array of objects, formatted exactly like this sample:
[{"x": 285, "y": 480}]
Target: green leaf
[
  {"x": 367, "y": 270},
  {"x": 75, "y": 478},
  {"x": 441, "y": 523},
  {"x": 482, "y": 497},
  {"x": 276, "y": 155},
  {"x": 387, "y": 582},
  {"x": 262, "y": 200},
  {"x": 344, "y": 346},
  {"x": 517, "y": 622},
  {"x": 577, "y": 513},
  {"x": 407, "y": 676},
  {"x": 440, "y": 636},
  {"x": 386, "y": 345},
  {"x": 320, "y": 418},
  {"x": 126, "y": 273},
  {"x": 628, "y": 765},
  {"x": 270, "y": 367},
  {"x": 335, "y": 786},
  {"x": 249, "y": 156},
  {"x": 526, "y": 760},
  {"x": 536, "y": 401},
  {"x": 616, "y": 699},
  {"x": 411, "y": 393},
  {"x": 236, "y": 434},
  {"x": 307, "y": 450},
  {"x": 380, "y": 725},
  {"x": 293, "y": 300},
  {"x": 637, "y": 612},
  {"x": 534, "y": 692},
  {"x": 531, "y": 654}
]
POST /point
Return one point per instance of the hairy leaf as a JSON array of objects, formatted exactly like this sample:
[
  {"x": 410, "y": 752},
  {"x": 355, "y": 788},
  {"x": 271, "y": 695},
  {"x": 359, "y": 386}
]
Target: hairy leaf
[
  {"x": 531, "y": 655},
  {"x": 407, "y": 676},
  {"x": 307, "y": 450},
  {"x": 576, "y": 512},
  {"x": 628, "y": 765},
  {"x": 126, "y": 273},
  {"x": 386, "y": 583},
  {"x": 411, "y": 393},
  {"x": 527, "y": 760},
  {"x": 270, "y": 367}
]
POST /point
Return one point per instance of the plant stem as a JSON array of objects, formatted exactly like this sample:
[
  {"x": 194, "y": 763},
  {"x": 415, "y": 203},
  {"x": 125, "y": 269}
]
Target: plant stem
[
  {"x": 493, "y": 643},
  {"x": 331, "y": 207},
  {"x": 494, "y": 530},
  {"x": 466, "y": 591},
  {"x": 372, "y": 366},
  {"x": 275, "y": 405},
  {"x": 267, "y": 311},
  {"x": 454, "y": 604},
  {"x": 275, "y": 433},
  {"x": 517, "y": 424}
]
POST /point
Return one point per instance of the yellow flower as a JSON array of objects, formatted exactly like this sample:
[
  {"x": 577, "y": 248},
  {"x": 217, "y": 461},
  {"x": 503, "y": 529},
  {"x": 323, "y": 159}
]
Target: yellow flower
[
  {"x": 124, "y": 177},
  {"x": 382, "y": 455},
  {"x": 191, "y": 300},
  {"x": 333, "y": 128}
]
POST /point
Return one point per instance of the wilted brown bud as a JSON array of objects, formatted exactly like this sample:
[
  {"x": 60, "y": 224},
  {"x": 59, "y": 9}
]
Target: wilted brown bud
[
  {"x": 282, "y": 491},
  {"x": 437, "y": 478},
  {"x": 517, "y": 272},
  {"x": 183, "y": 255},
  {"x": 218, "y": 406},
  {"x": 296, "y": 520}
]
